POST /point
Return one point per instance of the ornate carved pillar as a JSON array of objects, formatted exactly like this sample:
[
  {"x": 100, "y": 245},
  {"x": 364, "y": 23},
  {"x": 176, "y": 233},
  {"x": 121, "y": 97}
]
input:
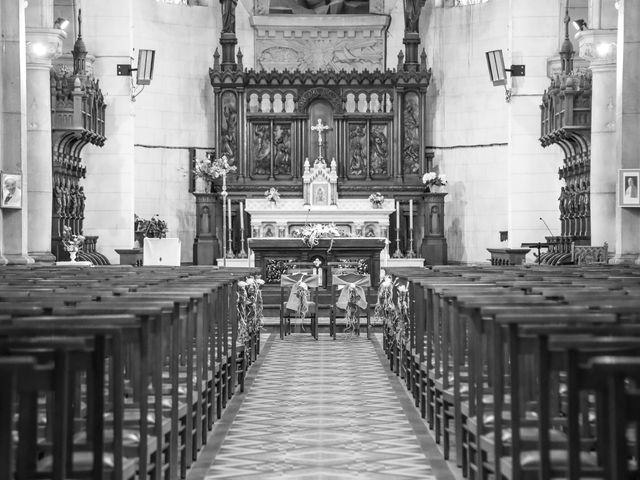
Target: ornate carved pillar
[
  {"x": 434, "y": 244},
  {"x": 43, "y": 45}
]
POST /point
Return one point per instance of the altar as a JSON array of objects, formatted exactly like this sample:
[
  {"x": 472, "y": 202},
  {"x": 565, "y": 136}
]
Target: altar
[{"x": 273, "y": 255}]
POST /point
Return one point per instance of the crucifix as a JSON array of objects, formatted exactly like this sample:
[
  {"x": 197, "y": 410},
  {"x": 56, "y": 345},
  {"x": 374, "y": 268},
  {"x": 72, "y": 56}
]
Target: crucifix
[{"x": 320, "y": 128}]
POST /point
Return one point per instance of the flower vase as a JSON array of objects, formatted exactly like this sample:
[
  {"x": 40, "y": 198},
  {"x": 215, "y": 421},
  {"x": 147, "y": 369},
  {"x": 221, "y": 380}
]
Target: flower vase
[
  {"x": 376, "y": 205},
  {"x": 72, "y": 255},
  {"x": 272, "y": 204}
]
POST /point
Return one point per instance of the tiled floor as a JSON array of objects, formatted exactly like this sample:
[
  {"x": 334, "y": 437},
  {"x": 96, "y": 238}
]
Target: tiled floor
[{"x": 320, "y": 410}]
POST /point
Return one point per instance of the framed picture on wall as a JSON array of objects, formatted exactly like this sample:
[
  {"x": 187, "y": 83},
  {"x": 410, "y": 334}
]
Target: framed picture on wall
[
  {"x": 628, "y": 191},
  {"x": 11, "y": 184}
]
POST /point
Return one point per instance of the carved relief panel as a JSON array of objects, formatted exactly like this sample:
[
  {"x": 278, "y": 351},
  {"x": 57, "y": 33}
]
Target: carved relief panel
[
  {"x": 411, "y": 140},
  {"x": 282, "y": 150},
  {"x": 229, "y": 127},
  {"x": 261, "y": 148},
  {"x": 357, "y": 161},
  {"x": 379, "y": 148}
]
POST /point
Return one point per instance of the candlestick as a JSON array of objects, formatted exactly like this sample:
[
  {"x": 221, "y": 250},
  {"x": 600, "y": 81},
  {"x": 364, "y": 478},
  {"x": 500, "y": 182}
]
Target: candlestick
[
  {"x": 242, "y": 253},
  {"x": 410, "y": 252},
  {"x": 241, "y": 215},
  {"x": 397, "y": 214},
  {"x": 411, "y": 214},
  {"x": 224, "y": 224},
  {"x": 230, "y": 229}
]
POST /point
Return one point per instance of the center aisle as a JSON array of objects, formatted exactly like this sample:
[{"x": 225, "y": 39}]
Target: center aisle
[{"x": 319, "y": 410}]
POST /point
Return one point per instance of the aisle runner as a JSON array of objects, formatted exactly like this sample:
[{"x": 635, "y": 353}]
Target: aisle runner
[{"x": 320, "y": 410}]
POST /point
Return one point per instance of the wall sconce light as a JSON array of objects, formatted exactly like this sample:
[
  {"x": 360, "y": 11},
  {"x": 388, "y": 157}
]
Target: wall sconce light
[
  {"x": 604, "y": 49},
  {"x": 61, "y": 23},
  {"x": 580, "y": 25},
  {"x": 498, "y": 72},
  {"x": 144, "y": 70}
]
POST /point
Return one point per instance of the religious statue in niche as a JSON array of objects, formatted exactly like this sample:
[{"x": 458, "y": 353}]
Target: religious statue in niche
[
  {"x": 228, "y": 15},
  {"x": 205, "y": 220},
  {"x": 412, "y": 9},
  {"x": 379, "y": 150},
  {"x": 357, "y": 150},
  {"x": 411, "y": 148},
  {"x": 282, "y": 149},
  {"x": 435, "y": 220},
  {"x": 262, "y": 149},
  {"x": 320, "y": 194},
  {"x": 229, "y": 127}
]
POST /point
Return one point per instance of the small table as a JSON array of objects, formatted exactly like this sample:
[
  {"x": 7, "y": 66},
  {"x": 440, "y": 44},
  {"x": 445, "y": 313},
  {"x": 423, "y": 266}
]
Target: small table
[{"x": 508, "y": 256}]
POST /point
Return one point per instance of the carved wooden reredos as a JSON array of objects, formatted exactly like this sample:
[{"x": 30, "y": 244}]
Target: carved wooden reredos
[
  {"x": 377, "y": 131},
  {"x": 376, "y": 116}
]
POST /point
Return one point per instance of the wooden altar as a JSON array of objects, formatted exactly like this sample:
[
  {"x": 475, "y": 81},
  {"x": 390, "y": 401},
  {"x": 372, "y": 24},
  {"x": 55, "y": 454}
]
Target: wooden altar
[{"x": 272, "y": 253}]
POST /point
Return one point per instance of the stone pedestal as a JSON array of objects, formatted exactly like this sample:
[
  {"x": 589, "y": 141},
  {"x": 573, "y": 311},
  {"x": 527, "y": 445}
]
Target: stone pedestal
[
  {"x": 206, "y": 246},
  {"x": 434, "y": 245},
  {"x": 228, "y": 42},
  {"x": 43, "y": 45}
]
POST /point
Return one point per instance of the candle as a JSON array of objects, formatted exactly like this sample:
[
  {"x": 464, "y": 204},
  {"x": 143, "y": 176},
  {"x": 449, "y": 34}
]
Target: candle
[
  {"x": 229, "y": 210},
  {"x": 397, "y": 214},
  {"x": 411, "y": 214},
  {"x": 224, "y": 182},
  {"x": 242, "y": 215}
]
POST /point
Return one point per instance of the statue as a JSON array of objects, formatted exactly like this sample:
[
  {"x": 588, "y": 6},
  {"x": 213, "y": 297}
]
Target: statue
[
  {"x": 205, "y": 225},
  {"x": 81, "y": 198},
  {"x": 228, "y": 15},
  {"x": 57, "y": 195},
  {"x": 412, "y": 10}
]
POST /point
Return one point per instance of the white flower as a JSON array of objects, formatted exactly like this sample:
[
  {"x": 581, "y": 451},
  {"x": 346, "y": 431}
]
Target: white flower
[
  {"x": 250, "y": 281},
  {"x": 428, "y": 177},
  {"x": 402, "y": 288},
  {"x": 242, "y": 284},
  {"x": 260, "y": 281}
]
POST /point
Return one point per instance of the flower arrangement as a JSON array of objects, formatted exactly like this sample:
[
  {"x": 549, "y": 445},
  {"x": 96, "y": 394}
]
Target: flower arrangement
[
  {"x": 311, "y": 234},
  {"x": 376, "y": 199},
  {"x": 249, "y": 306},
  {"x": 210, "y": 170},
  {"x": 431, "y": 179},
  {"x": 70, "y": 241},
  {"x": 385, "y": 312},
  {"x": 272, "y": 195},
  {"x": 154, "y": 228}
]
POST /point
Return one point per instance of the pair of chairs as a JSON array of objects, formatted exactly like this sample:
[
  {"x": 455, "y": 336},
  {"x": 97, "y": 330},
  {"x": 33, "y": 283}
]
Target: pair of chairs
[{"x": 300, "y": 298}]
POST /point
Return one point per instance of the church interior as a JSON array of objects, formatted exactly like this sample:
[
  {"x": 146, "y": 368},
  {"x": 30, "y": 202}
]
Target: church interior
[{"x": 319, "y": 239}]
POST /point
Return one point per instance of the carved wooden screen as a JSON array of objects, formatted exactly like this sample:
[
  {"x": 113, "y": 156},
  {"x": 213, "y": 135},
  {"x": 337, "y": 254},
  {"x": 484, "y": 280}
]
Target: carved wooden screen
[{"x": 375, "y": 134}]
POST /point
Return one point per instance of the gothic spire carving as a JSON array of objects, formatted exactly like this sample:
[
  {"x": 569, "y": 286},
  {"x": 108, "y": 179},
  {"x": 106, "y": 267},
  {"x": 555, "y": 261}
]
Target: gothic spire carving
[
  {"x": 566, "y": 51},
  {"x": 79, "y": 50}
]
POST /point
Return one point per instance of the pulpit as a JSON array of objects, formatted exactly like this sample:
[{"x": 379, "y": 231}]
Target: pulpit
[{"x": 273, "y": 255}]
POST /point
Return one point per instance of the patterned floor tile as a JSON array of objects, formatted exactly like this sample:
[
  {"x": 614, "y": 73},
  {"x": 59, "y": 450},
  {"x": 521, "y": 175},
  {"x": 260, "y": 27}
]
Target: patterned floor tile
[{"x": 320, "y": 410}]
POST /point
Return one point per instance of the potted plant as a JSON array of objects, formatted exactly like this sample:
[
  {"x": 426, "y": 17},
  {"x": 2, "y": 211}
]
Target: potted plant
[
  {"x": 272, "y": 196},
  {"x": 153, "y": 228},
  {"x": 431, "y": 179},
  {"x": 376, "y": 199}
]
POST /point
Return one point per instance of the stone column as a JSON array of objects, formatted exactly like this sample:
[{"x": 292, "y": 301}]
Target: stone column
[
  {"x": 603, "y": 138},
  {"x": 43, "y": 45},
  {"x": 628, "y": 123},
  {"x": 13, "y": 135}
]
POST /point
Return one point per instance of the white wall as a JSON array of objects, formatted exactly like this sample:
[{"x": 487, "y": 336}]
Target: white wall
[{"x": 500, "y": 178}]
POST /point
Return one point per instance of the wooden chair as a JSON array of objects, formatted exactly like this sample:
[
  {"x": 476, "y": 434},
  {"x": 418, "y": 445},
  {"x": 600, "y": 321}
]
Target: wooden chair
[{"x": 299, "y": 297}]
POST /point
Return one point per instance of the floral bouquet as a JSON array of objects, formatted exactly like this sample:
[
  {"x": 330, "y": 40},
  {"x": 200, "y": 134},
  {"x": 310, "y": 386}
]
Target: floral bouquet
[
  {"x": 431, "y": 179},
  {"x": 376, "y": 199},
  {"x": 272, "y": 195},
  {"x": 210, "y": 170},
  {"x": 71, "y": 242},
  {"x": 154, "y": 228},
  {"x": 311, "y": 234},
  {"x": 249, "y": 306}
]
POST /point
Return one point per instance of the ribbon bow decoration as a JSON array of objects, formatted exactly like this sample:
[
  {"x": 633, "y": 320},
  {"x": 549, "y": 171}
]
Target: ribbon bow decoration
[
  {"x": 299, "y": 296},
  {"x": 352, "y": 288}
]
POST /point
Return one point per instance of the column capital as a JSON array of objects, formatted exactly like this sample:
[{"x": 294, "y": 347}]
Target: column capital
[
  {"x": 598, "y": 47},
  {"x": 43, "y": 45}
]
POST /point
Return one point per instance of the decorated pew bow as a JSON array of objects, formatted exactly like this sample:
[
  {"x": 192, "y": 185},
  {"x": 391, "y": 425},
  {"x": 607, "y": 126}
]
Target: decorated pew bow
[
  {"x": 299, "y": 297},
  {"x": 352, "y": 298}
]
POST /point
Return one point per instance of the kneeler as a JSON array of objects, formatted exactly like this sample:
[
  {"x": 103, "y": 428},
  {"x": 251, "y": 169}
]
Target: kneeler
[{"x": 299, "y": 301}]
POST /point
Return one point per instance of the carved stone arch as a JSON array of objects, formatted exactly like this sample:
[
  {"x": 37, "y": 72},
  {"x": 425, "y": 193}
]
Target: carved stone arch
[{"x": 319, "y": 92}]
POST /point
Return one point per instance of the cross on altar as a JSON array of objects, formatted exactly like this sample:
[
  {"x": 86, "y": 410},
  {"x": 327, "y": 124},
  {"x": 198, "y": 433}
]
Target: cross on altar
[{"x": 320, "y": 128}]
